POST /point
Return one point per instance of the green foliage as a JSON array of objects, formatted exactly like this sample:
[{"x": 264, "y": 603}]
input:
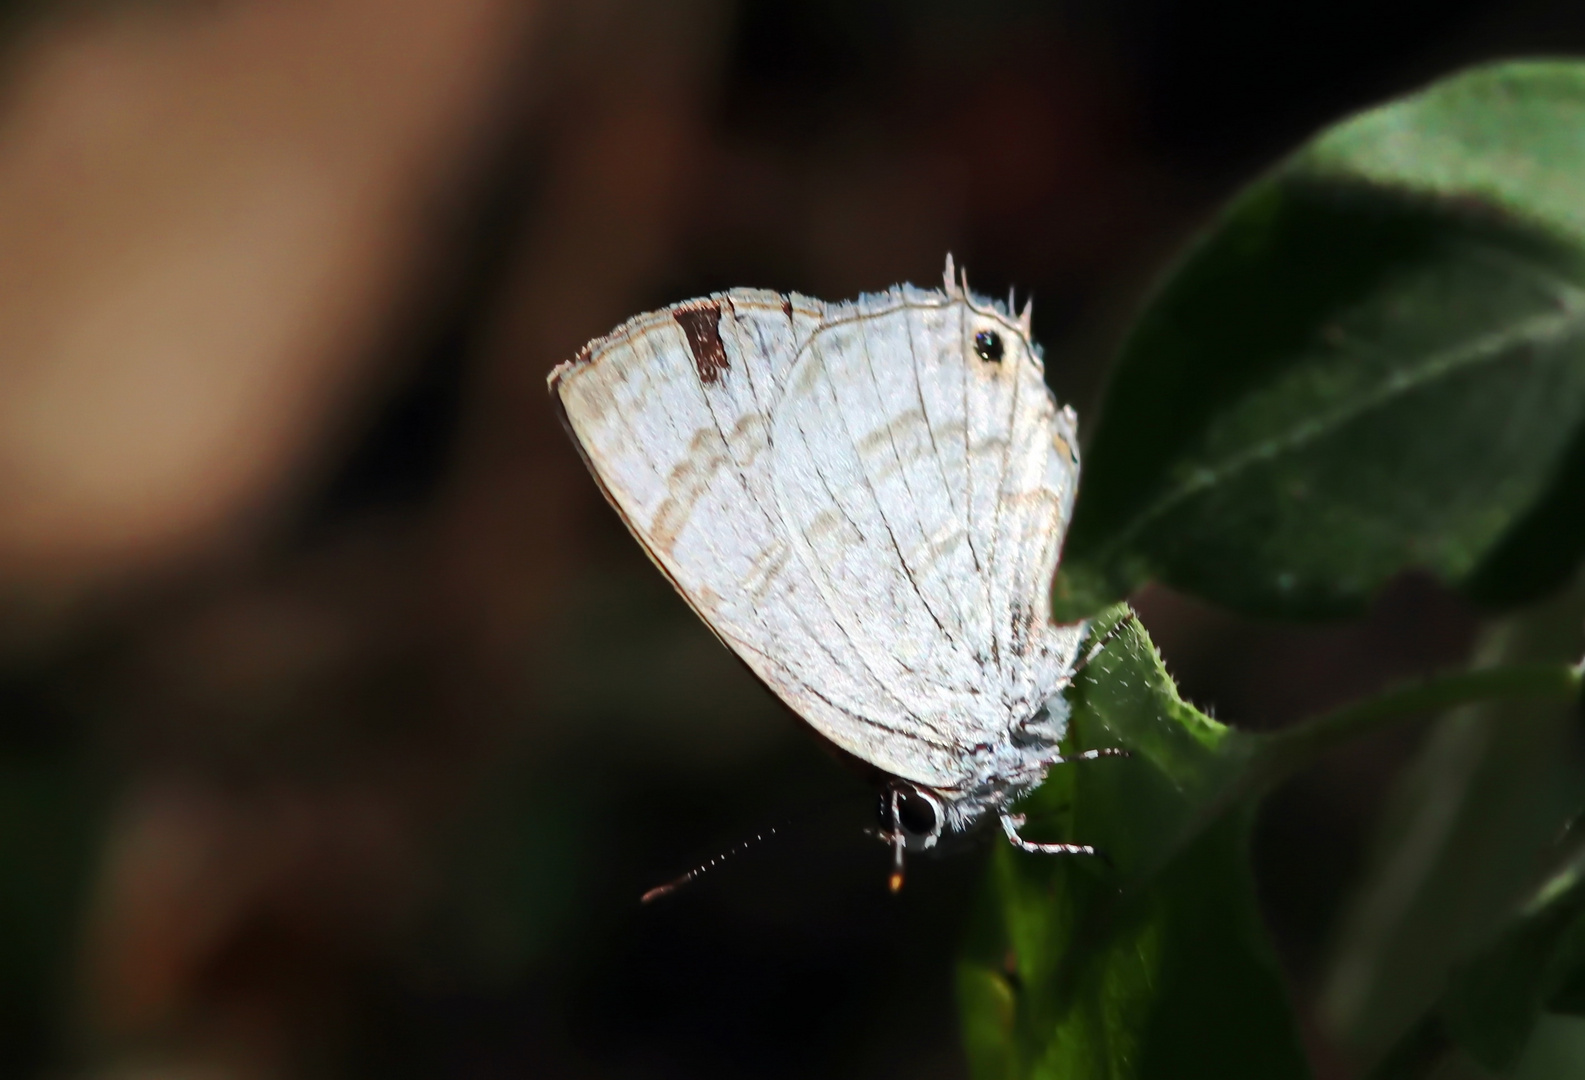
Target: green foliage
[
  {"x": 1131, "y": 966},
  {"x": 1134, "y": 966},
  {"x": 1495, "y": 999},
  {"x": 1373, "y": 361},
  {"x": 1471, "y": 833}
]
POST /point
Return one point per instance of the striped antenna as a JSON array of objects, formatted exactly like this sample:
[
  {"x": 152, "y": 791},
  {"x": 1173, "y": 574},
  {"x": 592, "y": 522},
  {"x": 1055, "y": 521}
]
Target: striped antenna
[{"x": 678, "y": 882}]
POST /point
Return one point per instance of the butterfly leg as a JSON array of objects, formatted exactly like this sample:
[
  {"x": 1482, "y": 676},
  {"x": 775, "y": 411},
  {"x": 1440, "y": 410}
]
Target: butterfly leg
[
  {"x": 899, "y": 841},
  {"x": 1092, "y": 755},
  {"x": 1011, "y": 823},
  {"x": 1100, "y": 646}
]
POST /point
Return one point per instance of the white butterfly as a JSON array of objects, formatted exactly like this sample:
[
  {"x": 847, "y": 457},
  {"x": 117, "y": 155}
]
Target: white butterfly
[{"x": 865, "y": 501}]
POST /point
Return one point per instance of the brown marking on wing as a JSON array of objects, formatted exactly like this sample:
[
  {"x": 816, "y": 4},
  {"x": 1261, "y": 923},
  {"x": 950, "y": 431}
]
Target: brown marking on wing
[
  {"x": 786, "y": 307},
  {"x": 686, "y": 484},
  {"x": 702, "y": 325},
  {"x": 767, "y": 569},
  {"x": 1022, "y": 619},
  {"x": 1063, "y": 447}
]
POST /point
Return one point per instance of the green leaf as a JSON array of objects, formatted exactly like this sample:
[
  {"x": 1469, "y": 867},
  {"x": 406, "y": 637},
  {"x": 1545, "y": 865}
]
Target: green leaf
[
  {"x": 1556, "y": 1051},
  {"x": 1495, "y": 999},
  {"x": 1469, "y": 832},
  {"x": 1155, "y": 965},
  {"x": 1130, "y": 967},
  {"x": 1373, "y": 361},
  {"x": 1498, "y": 1001}
]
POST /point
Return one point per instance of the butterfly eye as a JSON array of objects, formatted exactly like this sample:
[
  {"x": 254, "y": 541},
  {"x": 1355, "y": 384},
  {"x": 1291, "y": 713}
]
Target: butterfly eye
[
  {"x": 916, "y": 814},
  {"x": 988, "y": 346}
]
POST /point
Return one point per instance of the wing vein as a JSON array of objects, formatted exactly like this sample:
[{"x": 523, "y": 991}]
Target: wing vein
[
  {"x": 825, "y": 483},
  {"x": 748, "y": 492},
  {"x": 902, "y": 472},
  {"x": 996, "y": 521}
]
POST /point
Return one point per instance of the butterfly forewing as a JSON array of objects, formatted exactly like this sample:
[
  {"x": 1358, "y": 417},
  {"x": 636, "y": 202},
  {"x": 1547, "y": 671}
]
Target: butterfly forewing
[{"x": 679, "y": 447}]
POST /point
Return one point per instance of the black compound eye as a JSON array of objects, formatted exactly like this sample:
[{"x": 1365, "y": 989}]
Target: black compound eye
[
  {"x": 916, "y": 814},
  {"x": 988, "y": 346}
]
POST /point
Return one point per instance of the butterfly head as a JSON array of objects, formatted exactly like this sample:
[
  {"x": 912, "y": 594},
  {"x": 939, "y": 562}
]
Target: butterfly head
[{"x": 917, "y": 814}]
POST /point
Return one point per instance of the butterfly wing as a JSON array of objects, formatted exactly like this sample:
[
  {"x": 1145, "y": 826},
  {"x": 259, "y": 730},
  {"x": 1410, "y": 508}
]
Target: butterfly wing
[
  {"x": 865, "y": 516},
  {"x": 926, "y": 490}
]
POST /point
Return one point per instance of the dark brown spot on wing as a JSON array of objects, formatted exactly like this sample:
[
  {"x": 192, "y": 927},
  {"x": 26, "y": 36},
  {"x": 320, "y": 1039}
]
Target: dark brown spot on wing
[
  {"x": 702, "y": 325},
  {"x": 1023, "y": 628},
  {"x": 786, "y": 307}
]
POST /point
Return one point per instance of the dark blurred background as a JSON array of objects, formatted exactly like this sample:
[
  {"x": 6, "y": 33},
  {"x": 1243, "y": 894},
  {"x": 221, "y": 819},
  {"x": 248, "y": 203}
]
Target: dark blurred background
[{"x": 341, "y": 725}]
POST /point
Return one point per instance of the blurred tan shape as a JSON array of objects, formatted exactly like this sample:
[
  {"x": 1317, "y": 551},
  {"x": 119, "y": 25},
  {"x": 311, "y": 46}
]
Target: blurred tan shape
[
  {"x": 225, "y": 921},
  {"x": 206, "y": 212}
]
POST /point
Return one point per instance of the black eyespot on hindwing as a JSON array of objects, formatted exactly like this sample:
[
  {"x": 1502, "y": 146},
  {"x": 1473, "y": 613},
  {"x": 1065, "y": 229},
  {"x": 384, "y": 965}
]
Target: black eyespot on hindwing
[{"x": 988, "y": 346}]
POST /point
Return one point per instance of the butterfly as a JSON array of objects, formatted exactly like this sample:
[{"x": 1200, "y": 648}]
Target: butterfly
[{"x": 865, "y": 501}]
